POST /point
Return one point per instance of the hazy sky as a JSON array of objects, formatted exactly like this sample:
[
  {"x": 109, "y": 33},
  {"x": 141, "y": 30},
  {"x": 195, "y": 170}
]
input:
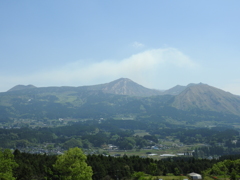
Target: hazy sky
[{"x": 157, "y": 43}]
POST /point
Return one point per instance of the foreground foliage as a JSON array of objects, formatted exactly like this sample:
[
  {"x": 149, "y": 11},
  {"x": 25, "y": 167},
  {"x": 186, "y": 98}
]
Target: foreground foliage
[
  {"x": 72, "y": 166},
  {"x": 227, "y": 168},
  {"x": 7, "y": 164}
]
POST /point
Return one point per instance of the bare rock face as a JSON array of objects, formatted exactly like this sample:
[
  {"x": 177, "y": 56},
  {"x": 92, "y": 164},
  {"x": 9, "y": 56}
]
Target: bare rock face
[{"x": 125, "y": 86}]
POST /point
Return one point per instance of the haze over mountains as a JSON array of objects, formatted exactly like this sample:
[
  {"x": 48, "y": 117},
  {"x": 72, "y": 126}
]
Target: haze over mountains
[{"x": 117, "y": 97}]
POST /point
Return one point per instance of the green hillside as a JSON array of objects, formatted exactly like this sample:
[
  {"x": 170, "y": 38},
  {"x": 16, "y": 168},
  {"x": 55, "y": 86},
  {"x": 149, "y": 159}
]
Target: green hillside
[{"x": 196, "y": 103}]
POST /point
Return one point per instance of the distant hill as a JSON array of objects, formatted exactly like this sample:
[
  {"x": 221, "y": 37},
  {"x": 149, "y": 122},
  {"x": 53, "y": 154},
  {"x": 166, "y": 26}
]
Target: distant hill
[
  {"x": 178, "y": 89},
  {"x": 205, "y": 97},
  {"x": 175, "y": 90},
  {"x": 21, "y": 87}
]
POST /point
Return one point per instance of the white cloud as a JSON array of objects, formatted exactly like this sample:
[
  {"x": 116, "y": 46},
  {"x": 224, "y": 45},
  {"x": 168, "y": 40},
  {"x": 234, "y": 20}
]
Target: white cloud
[
  {"x": 150, "y": 68},
  {"x": 137, "y": 45}
]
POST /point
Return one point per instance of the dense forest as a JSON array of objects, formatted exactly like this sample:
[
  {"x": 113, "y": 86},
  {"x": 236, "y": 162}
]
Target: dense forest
[{"x": 24, "y": 166}]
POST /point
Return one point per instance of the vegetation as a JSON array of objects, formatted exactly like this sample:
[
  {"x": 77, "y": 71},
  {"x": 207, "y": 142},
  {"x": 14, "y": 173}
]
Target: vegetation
[
  {"x": 71, "y": 165},
  {"x": 215, "y": 141},
  {"x": 7, "y": 164},
  {"x": 43, "y": 122},
  {"x": 53, "y": 103},
  {"x": 227, "y": 168}
]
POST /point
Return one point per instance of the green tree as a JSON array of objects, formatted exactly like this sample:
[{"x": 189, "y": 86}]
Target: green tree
[
  {"x": 220, "y": 169},
  {"x": 176, "y": 171},
  {"x": 153, "y": 169},
  {"x": 233, "y": 175},
  {"x": 7, "y": 164},
  {"x": 72, "y": 166},
  {"x": 138, "y": 175},
  {"x": 72, "y": 143}
]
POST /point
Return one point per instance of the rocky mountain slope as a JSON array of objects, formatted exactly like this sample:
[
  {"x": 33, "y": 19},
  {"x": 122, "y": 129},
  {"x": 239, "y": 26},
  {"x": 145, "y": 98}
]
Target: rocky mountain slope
[{"x": 125, "y": 86}]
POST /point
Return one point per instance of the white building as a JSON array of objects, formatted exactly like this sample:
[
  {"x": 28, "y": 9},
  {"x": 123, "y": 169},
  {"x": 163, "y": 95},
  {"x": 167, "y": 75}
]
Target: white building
[
  {"x": 167, "y": 155},
  {"x": 195, "y": 175}
]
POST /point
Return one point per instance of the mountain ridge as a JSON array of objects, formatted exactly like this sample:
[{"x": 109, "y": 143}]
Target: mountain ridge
[
  {"x": 123, "y": 91},
  {"x": 122, "y": 86}
]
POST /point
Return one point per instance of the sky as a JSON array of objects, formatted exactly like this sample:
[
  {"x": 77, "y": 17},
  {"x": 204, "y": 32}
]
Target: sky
[{"x": 157, "y": 43}]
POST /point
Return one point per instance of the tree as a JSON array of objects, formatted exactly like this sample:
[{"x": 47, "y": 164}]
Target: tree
[
  {"x": 72, "y": 143},
  {"x": 233, "y": 175},
  {"x": 153, "y": 169},
  {"x": 72, "y": 166},
  {"x": 176, "y": 171},
  {"x": 7, "y": 164},
  {"x": 220, "y": 168},
  {"x": 138, "y": 175}
]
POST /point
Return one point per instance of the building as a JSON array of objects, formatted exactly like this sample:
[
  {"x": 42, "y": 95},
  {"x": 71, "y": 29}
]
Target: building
[
  {"x": 167, "y": 155},
  {"x": 194, "y": 175}
]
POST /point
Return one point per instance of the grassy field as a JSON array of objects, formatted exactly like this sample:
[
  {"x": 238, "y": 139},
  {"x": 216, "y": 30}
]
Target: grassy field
[{"x": 140, "y": 133}]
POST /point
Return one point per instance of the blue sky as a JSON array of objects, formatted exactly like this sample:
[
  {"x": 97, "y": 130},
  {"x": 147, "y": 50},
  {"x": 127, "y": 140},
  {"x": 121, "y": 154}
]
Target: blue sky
[{"x": 158, "y": 43}]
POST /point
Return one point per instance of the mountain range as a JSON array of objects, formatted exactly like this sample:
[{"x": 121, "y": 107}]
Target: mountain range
[
  {"x": 122, "y": 86},
  {"x": 122, "y": 96}
]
